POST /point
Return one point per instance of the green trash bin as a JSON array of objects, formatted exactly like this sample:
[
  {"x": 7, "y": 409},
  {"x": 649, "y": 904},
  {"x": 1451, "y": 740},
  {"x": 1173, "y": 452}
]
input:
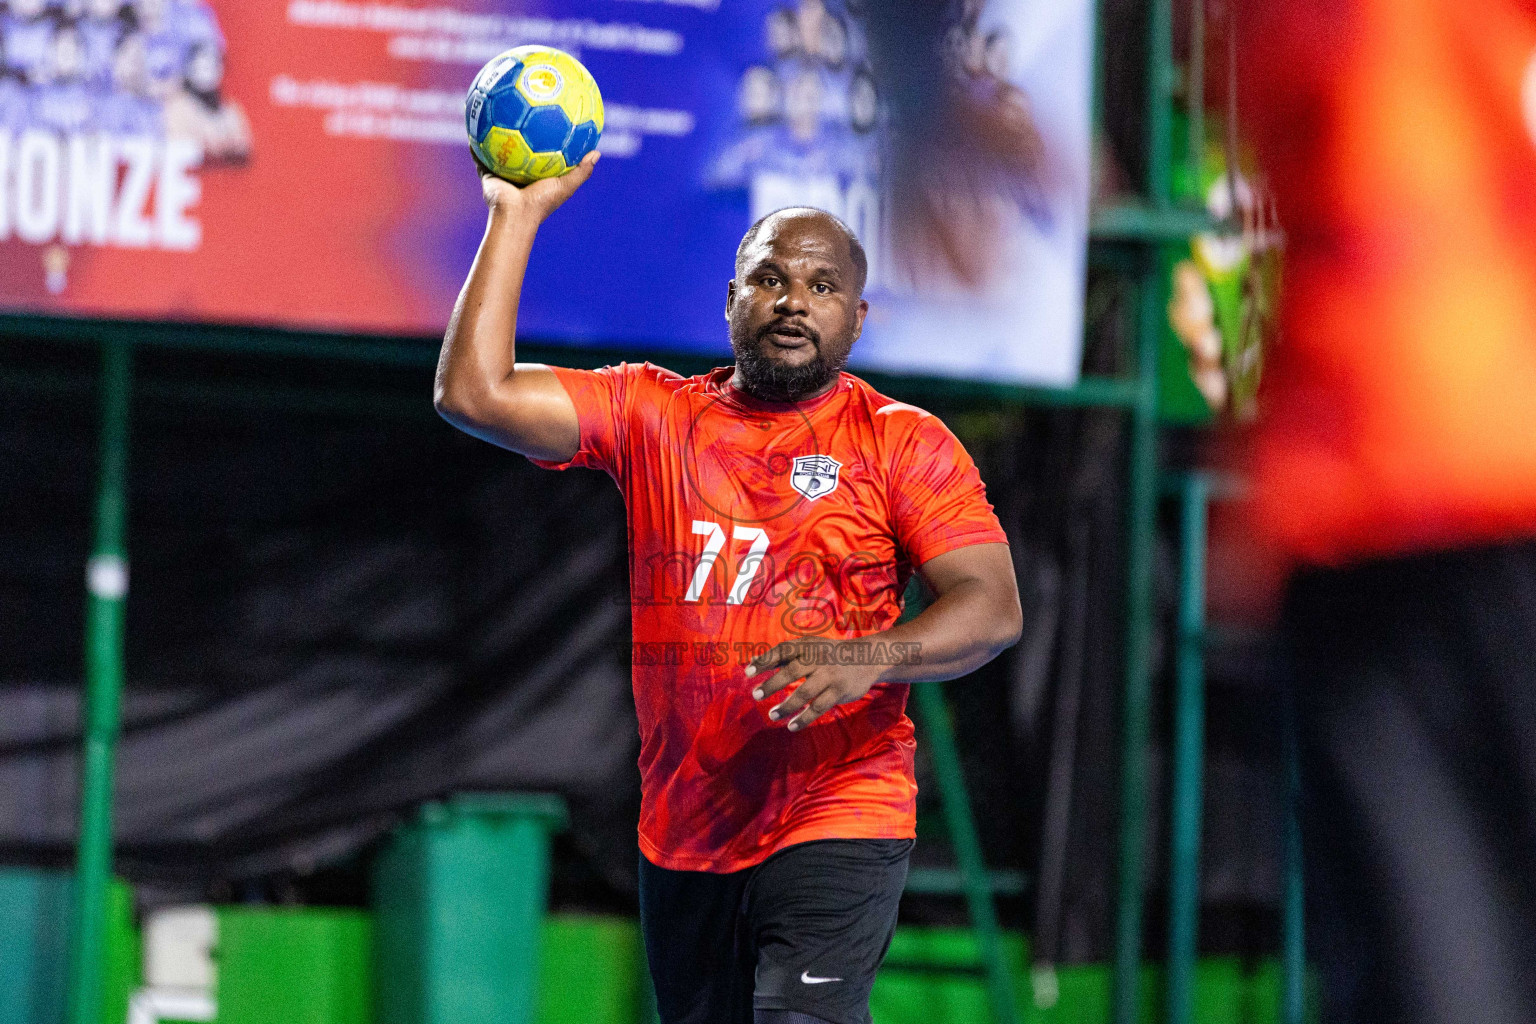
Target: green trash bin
[{"x": 459, "y": 896}]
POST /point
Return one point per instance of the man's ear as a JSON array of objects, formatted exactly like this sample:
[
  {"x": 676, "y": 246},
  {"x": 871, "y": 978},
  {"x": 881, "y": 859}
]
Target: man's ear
[
  {"x": 859, "y": 314},
  {"x": 730, "y": 298}
]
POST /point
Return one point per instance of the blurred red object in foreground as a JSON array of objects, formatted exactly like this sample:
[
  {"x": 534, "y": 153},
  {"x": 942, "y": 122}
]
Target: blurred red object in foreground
[{"x": 1399, "y": 136}]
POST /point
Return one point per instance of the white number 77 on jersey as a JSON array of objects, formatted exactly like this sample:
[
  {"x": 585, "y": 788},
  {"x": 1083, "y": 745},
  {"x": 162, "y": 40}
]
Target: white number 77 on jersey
[{"x": 712, "y": 547}]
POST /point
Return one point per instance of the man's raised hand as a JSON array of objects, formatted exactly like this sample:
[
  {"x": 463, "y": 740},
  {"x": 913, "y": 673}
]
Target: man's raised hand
[{"x": 538, "y": 199}]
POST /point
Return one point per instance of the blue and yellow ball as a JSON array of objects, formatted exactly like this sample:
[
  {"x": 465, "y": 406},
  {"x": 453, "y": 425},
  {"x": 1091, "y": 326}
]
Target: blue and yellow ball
[{"x": 533, "y": 112}]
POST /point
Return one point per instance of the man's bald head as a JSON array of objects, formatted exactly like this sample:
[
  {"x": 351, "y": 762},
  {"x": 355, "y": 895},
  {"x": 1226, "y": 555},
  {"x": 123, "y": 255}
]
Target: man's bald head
[{"x": 856, "y": 254}]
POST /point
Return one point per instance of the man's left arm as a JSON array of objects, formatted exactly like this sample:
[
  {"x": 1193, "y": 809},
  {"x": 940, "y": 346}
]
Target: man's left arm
[{"x": 974, "y": 617}]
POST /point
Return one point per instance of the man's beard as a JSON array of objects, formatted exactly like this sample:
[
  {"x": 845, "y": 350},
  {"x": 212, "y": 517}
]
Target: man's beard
[{"x": 763, "y": 377}]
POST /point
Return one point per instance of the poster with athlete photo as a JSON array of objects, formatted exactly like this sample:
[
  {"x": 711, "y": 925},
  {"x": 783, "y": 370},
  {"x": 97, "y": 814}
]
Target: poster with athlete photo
[
  {"x": 814, "y": 128},
  {"x": 303, "y": 164}
]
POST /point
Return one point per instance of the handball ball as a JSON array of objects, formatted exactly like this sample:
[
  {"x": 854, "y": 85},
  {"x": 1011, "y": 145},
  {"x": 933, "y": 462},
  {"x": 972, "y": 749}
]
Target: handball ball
[{"x": 533, "y": 112}]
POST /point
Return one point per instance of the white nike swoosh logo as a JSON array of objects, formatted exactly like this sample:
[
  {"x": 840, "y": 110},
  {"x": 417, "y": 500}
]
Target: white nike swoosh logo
[{"x": 807, "y": 979}]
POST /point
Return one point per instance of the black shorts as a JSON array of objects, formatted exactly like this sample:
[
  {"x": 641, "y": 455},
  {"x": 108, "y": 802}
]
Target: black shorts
[{"x": 805, "y": 930}]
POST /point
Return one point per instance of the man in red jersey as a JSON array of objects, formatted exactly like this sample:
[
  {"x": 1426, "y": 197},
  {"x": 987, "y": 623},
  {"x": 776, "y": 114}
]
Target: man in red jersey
[{"x": 776, "y": 509}]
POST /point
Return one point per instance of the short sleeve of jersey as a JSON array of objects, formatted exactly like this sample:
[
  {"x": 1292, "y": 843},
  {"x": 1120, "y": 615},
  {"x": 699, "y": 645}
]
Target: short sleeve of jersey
[
  {"x": 605, "y": 400},
  {"x": 939, "y": 501}
]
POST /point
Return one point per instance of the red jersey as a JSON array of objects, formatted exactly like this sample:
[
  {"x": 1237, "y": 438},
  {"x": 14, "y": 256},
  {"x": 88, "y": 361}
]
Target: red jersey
[{"x": 751, "y": 523}]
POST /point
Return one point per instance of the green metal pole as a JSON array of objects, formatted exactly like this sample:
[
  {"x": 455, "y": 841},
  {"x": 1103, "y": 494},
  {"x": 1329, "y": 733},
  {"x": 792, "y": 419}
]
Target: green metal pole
[
  {"x": 107, "y": 592},
  {"x": 1161, "y": 77},
  {"x": 1137, "y": 705},
  {"x": 1188, "y": 753},
  {"x": 1141, "y": 530},
  {"x": 649, "y": 1014},
  {"x": 1293, "y": 922},
  {"x": 939, "y": 737},
  {"x": 1096, "y": 83},
  {"x": 1194, "y": 93}
]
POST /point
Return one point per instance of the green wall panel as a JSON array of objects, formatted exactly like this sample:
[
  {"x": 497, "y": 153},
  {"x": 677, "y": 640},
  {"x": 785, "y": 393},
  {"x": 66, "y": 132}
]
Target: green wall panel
[
  {"x": 592, "y": 971},
  {"x": 315, "y": 966},
  {"x": 291, "y": 966}
]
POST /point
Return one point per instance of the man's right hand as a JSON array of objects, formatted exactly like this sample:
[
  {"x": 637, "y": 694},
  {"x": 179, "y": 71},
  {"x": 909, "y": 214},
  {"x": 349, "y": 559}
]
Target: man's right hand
[
  {"x": 538, "y": 199},
  {"x": 481, "y": 388}
]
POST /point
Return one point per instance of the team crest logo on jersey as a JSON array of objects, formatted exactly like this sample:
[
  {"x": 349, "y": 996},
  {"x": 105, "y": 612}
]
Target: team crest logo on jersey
[{"x": 814, "y": 476}]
